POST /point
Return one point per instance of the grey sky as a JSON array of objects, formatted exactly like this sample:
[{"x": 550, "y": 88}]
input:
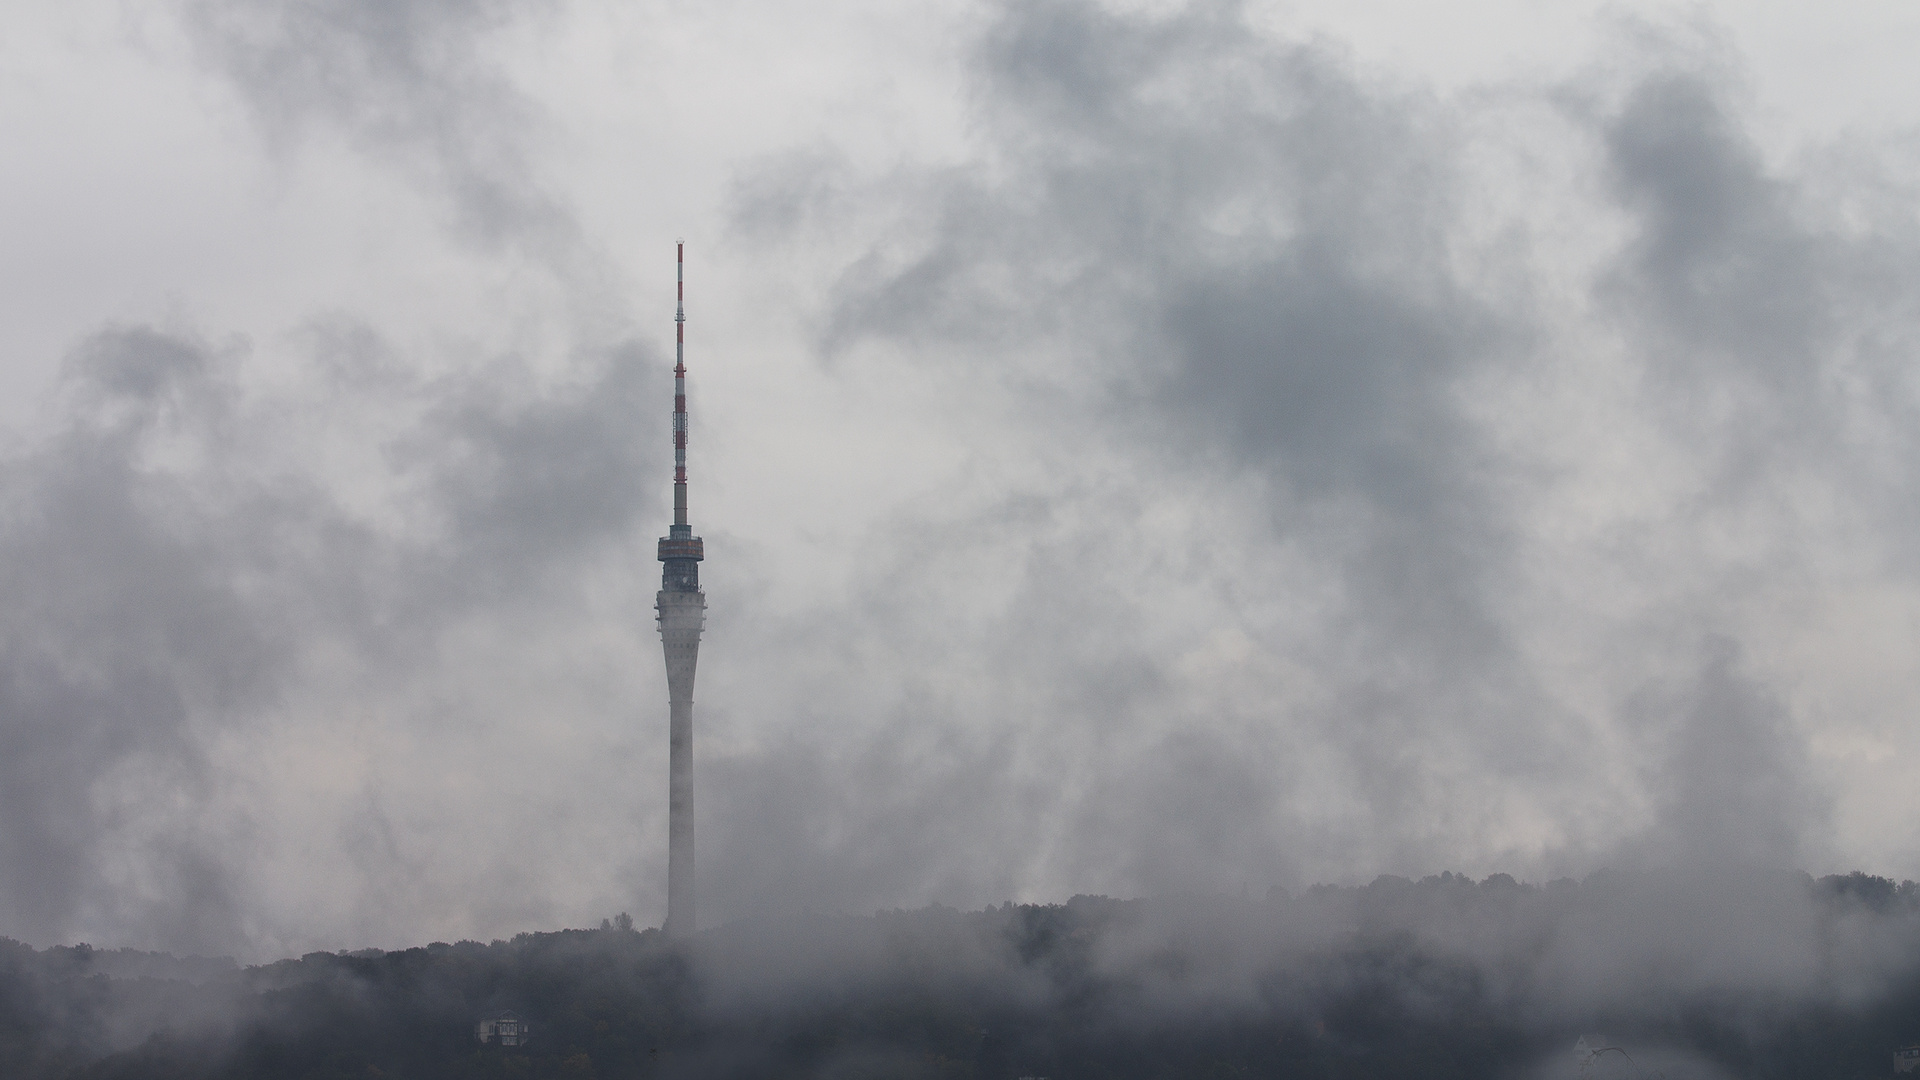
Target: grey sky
[{"x": 1141, "y": 448}]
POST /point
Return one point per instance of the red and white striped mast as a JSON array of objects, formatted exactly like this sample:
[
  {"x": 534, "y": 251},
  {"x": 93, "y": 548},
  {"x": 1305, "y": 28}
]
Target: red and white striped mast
[{"x": 680, "y": 383}]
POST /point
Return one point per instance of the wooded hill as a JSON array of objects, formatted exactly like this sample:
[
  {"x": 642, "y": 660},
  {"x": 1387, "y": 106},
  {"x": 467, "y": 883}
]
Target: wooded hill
[{"x": 1742, "y": 973}]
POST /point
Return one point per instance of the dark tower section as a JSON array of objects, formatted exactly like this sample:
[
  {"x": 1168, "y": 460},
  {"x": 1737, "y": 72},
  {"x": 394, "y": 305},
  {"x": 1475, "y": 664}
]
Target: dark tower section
[{"x": 682, "y": 611}]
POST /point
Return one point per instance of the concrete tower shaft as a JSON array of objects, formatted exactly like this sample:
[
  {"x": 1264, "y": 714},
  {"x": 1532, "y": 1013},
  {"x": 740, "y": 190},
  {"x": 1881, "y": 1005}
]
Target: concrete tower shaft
[
  {"x": 682, "y": 612},
  {"x": 682, "y": 616}
]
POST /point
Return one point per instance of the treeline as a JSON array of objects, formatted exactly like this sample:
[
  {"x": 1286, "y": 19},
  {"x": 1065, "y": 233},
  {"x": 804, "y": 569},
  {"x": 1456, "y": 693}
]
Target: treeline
[{"x": 1744, "y": 973}]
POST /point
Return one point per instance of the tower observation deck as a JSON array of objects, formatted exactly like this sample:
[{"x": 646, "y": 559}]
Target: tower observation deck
[{"x": 682, "y": 609}]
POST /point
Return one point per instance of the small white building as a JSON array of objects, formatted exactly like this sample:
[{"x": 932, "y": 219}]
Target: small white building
[
  {"x": 507, "y": 1029},
  {"x": 1906, "y": 1059}
]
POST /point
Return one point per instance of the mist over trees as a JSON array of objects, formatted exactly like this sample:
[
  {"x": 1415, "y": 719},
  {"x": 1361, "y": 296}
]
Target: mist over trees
[{"x": 1698, "y": 974}]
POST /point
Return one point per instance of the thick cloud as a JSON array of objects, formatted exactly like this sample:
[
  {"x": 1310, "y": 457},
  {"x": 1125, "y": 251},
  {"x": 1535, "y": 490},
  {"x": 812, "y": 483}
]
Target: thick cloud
[
  {"x": 174, "y": 569},
  {"x": 122, "y": 625},
  {"x": 1732, "y": 781},
  {"x": 405, "y": 80},
  {"x": 1254, "y": 272},
  {"x": 1225, "y": 466}
]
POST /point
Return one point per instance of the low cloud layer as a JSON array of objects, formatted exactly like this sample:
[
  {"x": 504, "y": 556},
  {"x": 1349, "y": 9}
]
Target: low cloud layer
[{"x": 1692, "y": 974}]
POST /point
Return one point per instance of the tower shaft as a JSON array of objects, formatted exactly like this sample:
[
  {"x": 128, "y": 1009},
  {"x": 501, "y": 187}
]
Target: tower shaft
[
  {"x": 682, "y": 615},
  {"x": 682, "y": 611}
]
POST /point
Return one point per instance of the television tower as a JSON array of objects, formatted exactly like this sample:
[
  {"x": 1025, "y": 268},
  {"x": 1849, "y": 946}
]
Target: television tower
[{"x": 683, "y": 612}]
